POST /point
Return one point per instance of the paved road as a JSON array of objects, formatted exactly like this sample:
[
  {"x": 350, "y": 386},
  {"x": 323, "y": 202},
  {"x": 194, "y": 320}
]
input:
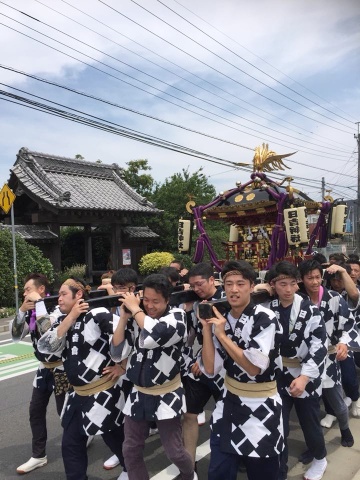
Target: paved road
[{"x": 15, "y": 437}]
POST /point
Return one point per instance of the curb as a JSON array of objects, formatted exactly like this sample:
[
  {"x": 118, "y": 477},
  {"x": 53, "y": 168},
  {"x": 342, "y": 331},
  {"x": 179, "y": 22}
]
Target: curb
[{"x": 4, "y": 327}]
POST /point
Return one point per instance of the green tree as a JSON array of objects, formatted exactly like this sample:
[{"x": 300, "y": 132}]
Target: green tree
[
  {"x": 142, "y": 183},
  {"x": 29, "y": 259},
  {"x": 172, "y": 197}
]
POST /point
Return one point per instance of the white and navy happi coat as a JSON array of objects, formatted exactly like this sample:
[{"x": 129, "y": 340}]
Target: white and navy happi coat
[
  {"x": 250, "y": 427},
  {"x": 191, "y": 354},
  {"x": 304, "y": 338},
  {"x": 20, "y": 328},
  {"x": 85, "y": 351},
  {"x": 154, "y": 357},
  {"x": 341, "y": 328},
  {"x": 354, "y": 307}
]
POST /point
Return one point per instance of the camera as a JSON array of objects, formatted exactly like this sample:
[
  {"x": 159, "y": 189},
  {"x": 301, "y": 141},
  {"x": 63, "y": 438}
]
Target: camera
[{"x": 205, "y": 311}]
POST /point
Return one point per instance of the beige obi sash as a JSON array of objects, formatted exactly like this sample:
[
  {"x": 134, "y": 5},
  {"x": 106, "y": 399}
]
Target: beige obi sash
[
  {"x": 166, "y": 387},
  {"x": 104, "y": 383},
  {"x": 291, "y": 362},
  {"x": 58, "y": 363},
  {"x": 253, "y": 390}
]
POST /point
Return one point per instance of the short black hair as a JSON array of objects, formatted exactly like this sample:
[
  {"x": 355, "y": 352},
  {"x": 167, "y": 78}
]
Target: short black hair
[
  {"x": 160, "y": 283},
  {"x": 352, "y": 260},
  {"x": 307, "y": 266},
  {"x": 319, "y": 257},
  {"x": 39, "y": 280},
  {"x": 123, "y": 276},
  {"x": 337, "y": 257},
  {"x": 246, "y": 270},
  {"x": 283, "y": 268},
  {"x": 203, "y": 269},
  {"x": 171, "y": 273}
]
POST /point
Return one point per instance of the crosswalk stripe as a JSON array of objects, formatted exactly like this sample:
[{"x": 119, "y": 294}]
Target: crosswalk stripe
[{"x": 18, "y": 366}]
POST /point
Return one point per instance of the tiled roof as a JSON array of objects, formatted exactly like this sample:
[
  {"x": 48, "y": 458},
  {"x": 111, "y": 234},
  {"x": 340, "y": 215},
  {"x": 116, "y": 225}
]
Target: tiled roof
[
  {"x": 68, "y": 184},
  {"x": 32, "y": 232},
  {"x": 139, "y": 233}
]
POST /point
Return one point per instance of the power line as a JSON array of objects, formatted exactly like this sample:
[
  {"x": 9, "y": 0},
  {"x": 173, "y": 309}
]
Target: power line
[
  {"x": 93, "y": 97},
  {"x": 237, "y": 68},
  {"x": 124, "y": 131},
  {"x": 260, "y": 58},
  {"x": 203, "y": 80},
  {"x": 170, "y": 86},
  {"x": 249, "y": 63},
  {"x": 329, "y": 155}
]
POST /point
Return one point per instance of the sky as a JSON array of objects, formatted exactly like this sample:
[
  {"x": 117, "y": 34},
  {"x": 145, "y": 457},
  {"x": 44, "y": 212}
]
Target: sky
[{"x": 217, "y": 78}]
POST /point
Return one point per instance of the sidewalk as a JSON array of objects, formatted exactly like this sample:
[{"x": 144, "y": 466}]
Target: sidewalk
[
  {"x": 343, "y": 462},
  {"x": 4, "y": 324}
]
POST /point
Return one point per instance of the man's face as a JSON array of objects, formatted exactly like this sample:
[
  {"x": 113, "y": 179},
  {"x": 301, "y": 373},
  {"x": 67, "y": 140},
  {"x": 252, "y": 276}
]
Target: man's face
[
  {"x": 203, "y": 287},
  {"x": 67, "y": 299},
  {"x": 285, "y": 290},
  {"x": 312, "y": 281},
  {"x": 355, "y": 272},
  {"x": 337, "y": 284},
  {"x": 124, "y": 287},
  {"x": 30, "y": 287},
  {"x": 238, "y": 291},
  {"x": 154, "y": 303},
  {"x": 176, "y": 265}
]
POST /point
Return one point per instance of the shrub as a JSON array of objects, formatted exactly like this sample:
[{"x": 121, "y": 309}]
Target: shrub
[
  {"x": 152, "y": 262},
  {"x": 77, "y": 271},
  {"x": 7, "y": 312},
  {"x": 28, "y": 259}
]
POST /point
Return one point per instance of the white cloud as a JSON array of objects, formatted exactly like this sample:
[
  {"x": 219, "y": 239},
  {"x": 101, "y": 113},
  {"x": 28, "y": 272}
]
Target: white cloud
[{"x": 309, "y": 41}]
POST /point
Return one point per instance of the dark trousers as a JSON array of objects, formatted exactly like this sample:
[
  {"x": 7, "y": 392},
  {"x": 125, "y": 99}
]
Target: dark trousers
[
  {"x": 224, "y": 466},
  {"x": 349, "y": 377},
  {"x": 37, "y": 416},
  {"x": 74, "y": 451},
  {"x": 349, "y": 380},
  {"x": 308, "y": 412},
  {"x": 333, "y": 399},
  {"x": 170, "y": 431}
]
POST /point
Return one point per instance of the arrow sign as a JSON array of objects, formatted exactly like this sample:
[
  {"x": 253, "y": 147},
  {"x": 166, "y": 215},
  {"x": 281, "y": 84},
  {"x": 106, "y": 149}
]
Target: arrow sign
[{"x": 7, "y": 198}]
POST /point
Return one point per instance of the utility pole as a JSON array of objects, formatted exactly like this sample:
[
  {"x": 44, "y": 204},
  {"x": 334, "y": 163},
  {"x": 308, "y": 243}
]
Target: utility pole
[
  {"x": 356, "y": 227},
  {"x": 322, "y": 188}
]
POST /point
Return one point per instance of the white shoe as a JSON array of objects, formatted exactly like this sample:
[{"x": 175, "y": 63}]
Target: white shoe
[
  {"x": 201, "y": 419},
  {"x": 89, "y": 440},
  {"x": 111, "y": 462},
  {"x": 31, "y": 464},
  {"x": 123, "y": 476},
  {"x": 316, "y": 470},
  {"x": 355, "y": 409},
  {"x": 347, "y": 401},
  {"x": 195, "y": 476},
  {"x": 327, "y": 421},
  {"x": 153, "y": 431}
]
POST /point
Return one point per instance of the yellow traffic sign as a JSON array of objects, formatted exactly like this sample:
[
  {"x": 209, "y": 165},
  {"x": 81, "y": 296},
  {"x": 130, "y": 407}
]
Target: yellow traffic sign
[{"x": 7, "y": 198}]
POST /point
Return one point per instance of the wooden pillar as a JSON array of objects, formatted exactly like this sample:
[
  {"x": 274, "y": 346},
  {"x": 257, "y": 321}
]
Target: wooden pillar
[
  {"x": 55, "y": 256},
  {"x": 116, "y": 247},
  {"x": 88, "y": 253}
]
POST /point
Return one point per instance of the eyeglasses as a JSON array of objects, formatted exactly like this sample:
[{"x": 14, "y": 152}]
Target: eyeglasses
[
  {"x": 197, "y": 284},
  {"x": 121, "y": 288}
]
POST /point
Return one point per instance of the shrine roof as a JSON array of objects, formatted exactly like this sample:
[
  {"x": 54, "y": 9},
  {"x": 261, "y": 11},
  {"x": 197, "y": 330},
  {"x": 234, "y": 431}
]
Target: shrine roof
[
  {"x": 32, "y": 232},
  {"x": 62, "y": 183},
  {"x": 139, "y": 233}
]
